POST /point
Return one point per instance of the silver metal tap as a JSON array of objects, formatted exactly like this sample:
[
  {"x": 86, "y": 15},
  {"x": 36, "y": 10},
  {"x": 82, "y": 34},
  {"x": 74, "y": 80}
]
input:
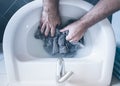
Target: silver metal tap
[{"x": 61, "y": 74}]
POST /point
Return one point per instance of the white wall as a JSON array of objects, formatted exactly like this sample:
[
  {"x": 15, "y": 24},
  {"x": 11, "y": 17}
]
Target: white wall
[{"x": 116, "y": 26}]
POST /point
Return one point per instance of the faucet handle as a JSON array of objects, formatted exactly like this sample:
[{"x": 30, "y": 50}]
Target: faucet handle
[{"x": 65, "y": 77}]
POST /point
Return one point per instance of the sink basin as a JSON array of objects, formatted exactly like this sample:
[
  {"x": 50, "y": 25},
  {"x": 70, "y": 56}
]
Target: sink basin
[{"x": 28, "y": 64}]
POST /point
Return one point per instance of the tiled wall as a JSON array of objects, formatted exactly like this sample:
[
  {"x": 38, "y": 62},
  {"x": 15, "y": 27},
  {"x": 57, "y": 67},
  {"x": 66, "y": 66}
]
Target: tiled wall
[
  {"x": 116, "y": 27},
  {"x": 7, "y": 9}
]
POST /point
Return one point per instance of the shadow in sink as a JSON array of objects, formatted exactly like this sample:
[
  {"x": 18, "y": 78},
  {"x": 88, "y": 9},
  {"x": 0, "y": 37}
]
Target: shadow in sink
[{"x": 1, "y": 52}]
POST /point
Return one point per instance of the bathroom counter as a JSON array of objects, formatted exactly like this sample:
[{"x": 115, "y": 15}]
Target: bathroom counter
[{"x": 3, "y": 74}]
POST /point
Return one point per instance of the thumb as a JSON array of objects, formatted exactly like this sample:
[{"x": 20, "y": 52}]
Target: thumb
[{"x": 64, "y": 29}]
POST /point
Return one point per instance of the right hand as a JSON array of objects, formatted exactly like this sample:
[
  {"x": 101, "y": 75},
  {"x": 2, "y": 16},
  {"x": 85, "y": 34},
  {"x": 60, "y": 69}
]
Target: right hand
[{"x": 76, "y": 31}]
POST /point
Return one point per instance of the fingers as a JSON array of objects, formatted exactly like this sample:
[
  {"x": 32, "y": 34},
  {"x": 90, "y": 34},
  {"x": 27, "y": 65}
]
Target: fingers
[
  {"x": 64, "y": 29},
  {"x": 53, "y": 27},
  {"x": 69, "y": 36},
  {"x": 76, "y": 37},
  {"x": 47, "y": 30},
  {"x": 73, "y": 36},
  {"x": 43, "y": 27},
  {"x": 52, "y": 31}
]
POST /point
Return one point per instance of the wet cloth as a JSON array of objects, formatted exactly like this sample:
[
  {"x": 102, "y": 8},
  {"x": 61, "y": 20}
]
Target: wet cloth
[{"x": 58, "y": 45}]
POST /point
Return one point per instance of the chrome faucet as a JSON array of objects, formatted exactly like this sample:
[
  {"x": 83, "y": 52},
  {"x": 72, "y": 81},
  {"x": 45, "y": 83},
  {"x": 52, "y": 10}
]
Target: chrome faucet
[{"x": 61, "y": 74}]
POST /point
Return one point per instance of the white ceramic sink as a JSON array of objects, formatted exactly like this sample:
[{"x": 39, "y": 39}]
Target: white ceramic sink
[{"x": 28, "y": 64}]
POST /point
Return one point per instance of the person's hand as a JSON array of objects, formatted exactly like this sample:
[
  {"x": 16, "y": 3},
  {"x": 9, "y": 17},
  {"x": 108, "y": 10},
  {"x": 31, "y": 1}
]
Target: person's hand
[
  {"x": 49, "y": 20},
  {"x": 76, "y": 31}
]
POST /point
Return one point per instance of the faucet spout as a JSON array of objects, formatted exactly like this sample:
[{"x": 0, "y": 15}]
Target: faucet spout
[
  {"x": 61, "y": 75},
  {"x": 60, "y": 68}
]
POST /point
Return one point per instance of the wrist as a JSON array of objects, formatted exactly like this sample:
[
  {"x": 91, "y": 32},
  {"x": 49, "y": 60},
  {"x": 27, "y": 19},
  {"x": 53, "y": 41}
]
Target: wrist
[
  {"x": 83, "y": 24},
  {"x": 50, "y": 10},
  {"x": 50, "y": 5}
]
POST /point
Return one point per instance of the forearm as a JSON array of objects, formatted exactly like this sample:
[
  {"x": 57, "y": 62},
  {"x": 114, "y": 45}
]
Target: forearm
[
  {"x": 102, "y": 9},
  {"x": 50, "y": 5}
]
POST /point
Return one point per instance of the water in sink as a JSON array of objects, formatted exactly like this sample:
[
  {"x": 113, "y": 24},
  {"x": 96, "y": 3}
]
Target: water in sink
[{"x": 36, "y": 49}]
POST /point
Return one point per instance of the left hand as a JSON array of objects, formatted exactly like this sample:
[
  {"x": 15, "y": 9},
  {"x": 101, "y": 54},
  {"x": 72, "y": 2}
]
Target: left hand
[
  {"x": 49, "y": 21},
  {"x": 76, "y": 31}
]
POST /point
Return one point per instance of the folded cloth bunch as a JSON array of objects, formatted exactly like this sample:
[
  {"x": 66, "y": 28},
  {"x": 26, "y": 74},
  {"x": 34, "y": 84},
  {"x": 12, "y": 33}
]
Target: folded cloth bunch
[
  {"x": 116, "y": 69},
  {"x": 58, "y": 45}
]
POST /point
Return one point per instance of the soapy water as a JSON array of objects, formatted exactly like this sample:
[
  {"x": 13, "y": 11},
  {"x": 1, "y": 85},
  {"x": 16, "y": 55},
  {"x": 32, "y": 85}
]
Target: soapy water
[
  {"x": 36, "y": 49},
  {"x": 1, "y": 56},
  {"x": 58, "y": 46}
]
